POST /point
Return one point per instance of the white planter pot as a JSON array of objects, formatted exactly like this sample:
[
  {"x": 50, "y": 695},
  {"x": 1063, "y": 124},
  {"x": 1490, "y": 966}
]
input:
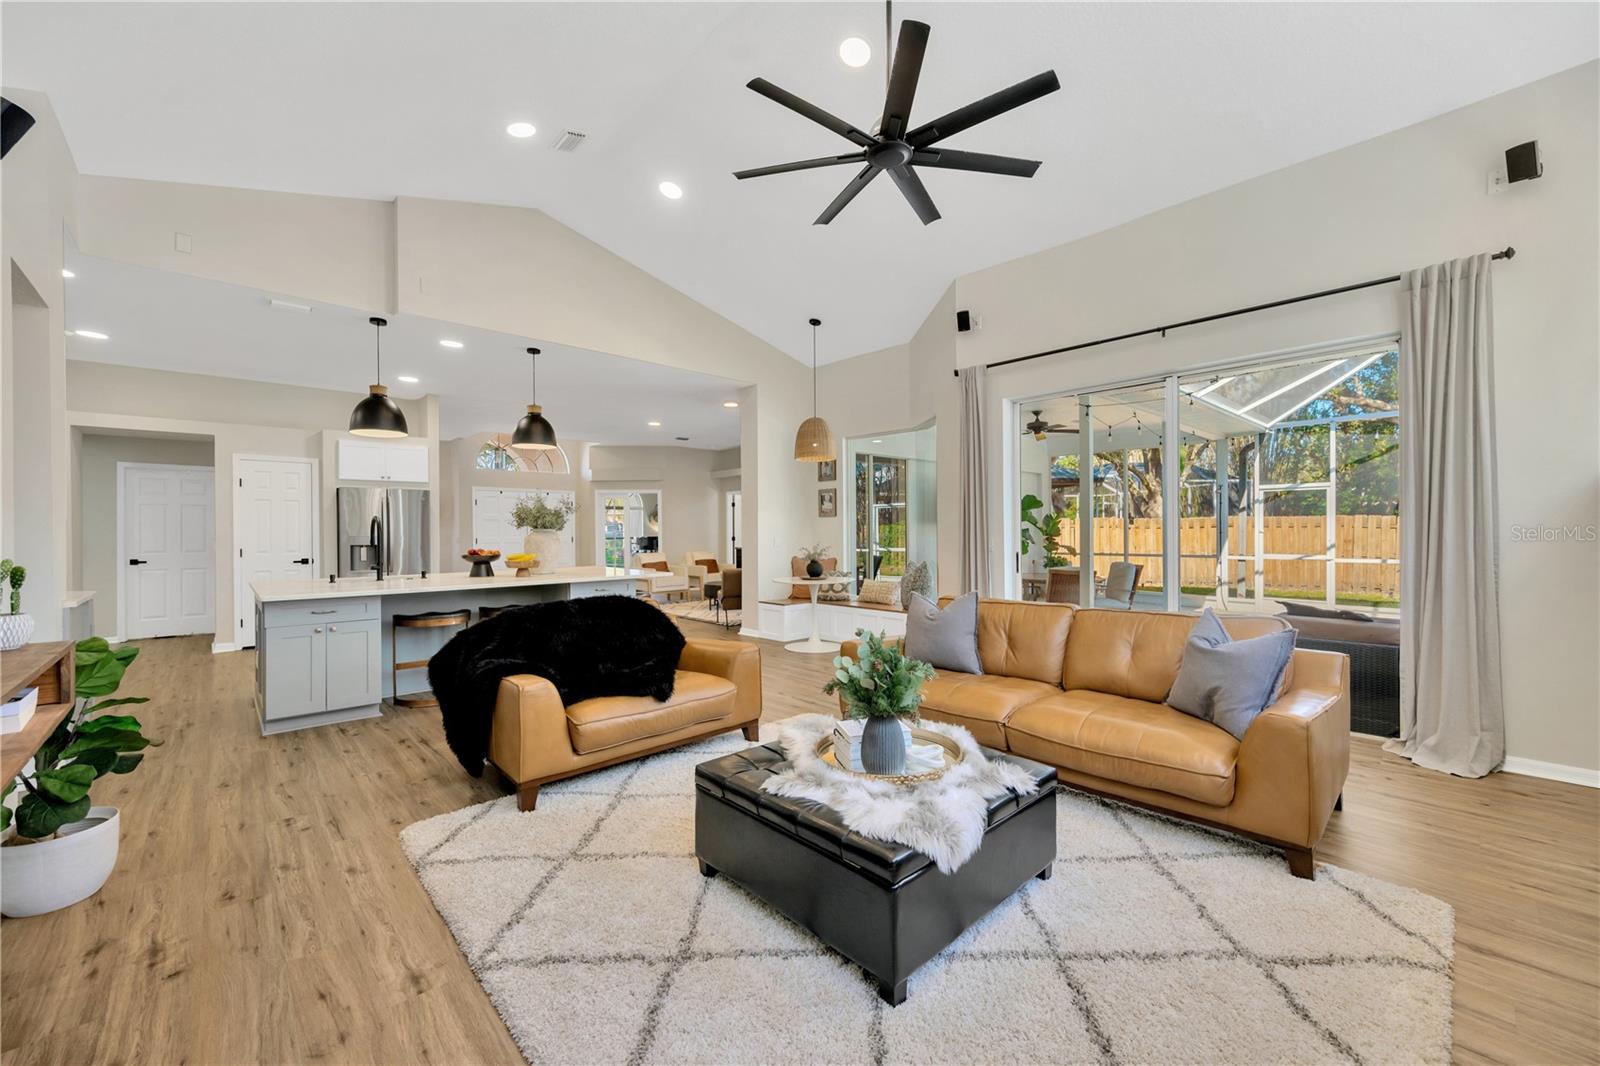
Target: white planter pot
[
  {"x": 15, "y": 631},
  {"x": 546, "y": 544},
  {"x": 47, "y": 875}
]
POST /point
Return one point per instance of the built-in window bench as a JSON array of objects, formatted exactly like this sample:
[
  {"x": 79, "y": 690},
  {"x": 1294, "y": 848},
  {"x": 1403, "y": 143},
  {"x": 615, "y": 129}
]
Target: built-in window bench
[{"x": 837, "y": 620}]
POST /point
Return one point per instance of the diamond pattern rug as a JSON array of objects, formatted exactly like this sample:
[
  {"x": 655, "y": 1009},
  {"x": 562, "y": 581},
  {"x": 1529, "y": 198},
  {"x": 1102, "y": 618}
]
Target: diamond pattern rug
[{"x": 595, "y": 936}]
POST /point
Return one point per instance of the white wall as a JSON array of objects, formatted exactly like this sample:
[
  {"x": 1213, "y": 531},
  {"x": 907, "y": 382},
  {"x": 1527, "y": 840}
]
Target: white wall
[
  {"x": 690, "y": 497},
  {"x": 1404, "y": 200},
  {"x": 98, "y": 456}
]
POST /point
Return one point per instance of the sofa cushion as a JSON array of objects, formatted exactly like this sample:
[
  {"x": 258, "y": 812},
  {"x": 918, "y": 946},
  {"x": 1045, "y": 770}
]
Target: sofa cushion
[
  {"x": 608, "y": 721},
  {"x": 1021, "y": 639},
  {"x": 1136, "y": 742},
  {"x": 1229, "y": 682},
  {"x": 944, "y": 636},
  {"x": 980, "y": 702},
  {"x": 1136, "y": 654}
]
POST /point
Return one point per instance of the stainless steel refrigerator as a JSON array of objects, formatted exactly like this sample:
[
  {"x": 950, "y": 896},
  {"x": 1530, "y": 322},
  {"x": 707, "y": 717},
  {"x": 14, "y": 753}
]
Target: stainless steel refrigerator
[{"x": 382, "y": 530}]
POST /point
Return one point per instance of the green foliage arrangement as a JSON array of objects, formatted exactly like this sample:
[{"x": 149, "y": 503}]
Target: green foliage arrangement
[
  {"x": 88, "y": 744},
  {"x": 1048, "y": 528},
  {"x": 537, "y": 514},
  {"x": 883, "y": 683},
  {"x": 13, "y": 575}
]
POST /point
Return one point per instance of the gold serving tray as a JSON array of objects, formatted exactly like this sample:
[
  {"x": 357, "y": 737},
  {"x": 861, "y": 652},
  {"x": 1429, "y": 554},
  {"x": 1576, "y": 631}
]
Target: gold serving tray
[{"x": 952, "y": 756}]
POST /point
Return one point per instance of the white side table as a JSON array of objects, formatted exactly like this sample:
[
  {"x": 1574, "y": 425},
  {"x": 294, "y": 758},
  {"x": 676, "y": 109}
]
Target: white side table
[{"x": 813, "y": 645}]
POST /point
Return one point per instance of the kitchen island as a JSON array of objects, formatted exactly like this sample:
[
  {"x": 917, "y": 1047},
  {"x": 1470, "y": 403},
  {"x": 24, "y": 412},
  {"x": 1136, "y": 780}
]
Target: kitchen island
[{"x": 324, "y": 650}]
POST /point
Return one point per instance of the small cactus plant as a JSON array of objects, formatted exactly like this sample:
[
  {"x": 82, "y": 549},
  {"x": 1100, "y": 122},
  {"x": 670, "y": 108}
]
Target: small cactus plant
[{"x": 13, "y": 575}]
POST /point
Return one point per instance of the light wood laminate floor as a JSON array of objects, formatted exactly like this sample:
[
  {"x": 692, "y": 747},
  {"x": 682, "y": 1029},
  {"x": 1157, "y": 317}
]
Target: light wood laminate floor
[{"x": 262, "y": 910}]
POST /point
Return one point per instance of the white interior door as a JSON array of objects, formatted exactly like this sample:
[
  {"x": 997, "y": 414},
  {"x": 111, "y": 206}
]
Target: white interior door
[
  {"x": 168, "y": 567},
  {"x": 493, "y": 527},
  {"x": 275, "y": 526}
]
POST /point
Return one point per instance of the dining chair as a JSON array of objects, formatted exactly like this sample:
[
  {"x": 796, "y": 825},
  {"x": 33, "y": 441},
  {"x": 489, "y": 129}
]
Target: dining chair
[
  {"x": 1122, "y": 581},
  {"x": 1061, "y": 586}
]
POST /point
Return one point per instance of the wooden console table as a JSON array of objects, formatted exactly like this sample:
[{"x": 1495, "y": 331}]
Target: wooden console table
[{"x": 52, "y": 669}]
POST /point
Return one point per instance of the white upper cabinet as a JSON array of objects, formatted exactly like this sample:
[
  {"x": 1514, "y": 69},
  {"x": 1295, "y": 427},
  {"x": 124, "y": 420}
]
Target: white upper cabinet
[{"x": 369, "y": 460}]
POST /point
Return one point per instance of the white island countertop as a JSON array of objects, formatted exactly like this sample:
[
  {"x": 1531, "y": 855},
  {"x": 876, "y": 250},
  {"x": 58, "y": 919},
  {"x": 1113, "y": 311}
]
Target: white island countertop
[{"x": 279, "y": 591}]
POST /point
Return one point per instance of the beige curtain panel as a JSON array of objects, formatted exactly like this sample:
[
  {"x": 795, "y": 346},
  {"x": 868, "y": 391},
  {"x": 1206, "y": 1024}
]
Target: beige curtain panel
[
  {"x": 1451, "y": 714},
  {"x": 974, "y": 485}
]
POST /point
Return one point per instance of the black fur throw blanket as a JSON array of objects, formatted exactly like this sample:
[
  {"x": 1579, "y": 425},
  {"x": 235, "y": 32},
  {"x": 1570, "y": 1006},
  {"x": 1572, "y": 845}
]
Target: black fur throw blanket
[{"x": 599, "y": 646}]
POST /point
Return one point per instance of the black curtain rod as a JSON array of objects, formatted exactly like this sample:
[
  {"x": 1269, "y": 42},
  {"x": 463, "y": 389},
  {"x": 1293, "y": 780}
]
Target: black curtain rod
[{"x": 1507, "y": 254}]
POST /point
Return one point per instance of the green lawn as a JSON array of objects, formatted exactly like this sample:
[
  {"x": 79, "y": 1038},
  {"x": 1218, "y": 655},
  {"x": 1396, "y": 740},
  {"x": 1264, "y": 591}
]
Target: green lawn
[{"x": 1345, "y": 599}]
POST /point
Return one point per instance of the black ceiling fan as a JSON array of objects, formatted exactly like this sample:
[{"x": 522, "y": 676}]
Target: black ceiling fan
[
  {"x": 1039, "y": 428},
  {"x": 898, "y": 148}
]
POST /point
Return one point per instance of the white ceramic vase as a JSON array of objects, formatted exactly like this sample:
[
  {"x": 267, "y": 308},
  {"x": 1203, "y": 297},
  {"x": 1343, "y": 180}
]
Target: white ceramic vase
[
  {"x": 15, "y": 631},
  {"x": 546, "y": 544},
  {"x": 50, "y": 874}
]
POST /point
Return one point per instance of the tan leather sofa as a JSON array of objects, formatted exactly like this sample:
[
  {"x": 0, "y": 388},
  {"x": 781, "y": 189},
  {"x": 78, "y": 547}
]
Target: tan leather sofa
[
  {"x": 1083, "y": 690},
  {"x": 535, "y": 738}
]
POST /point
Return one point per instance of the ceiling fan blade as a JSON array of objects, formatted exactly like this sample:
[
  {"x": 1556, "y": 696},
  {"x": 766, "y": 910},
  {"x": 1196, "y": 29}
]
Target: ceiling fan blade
[
  {"x": 908, "y": 53},
  {"x": 983, "y": 110},
  {"x": 810, "y": 111},
  {"x": 804, "y": 164},
  {"x": 915, "y": 194},
  {"x": 857, "y": 183},
  {"x": 981, "y": 162}
]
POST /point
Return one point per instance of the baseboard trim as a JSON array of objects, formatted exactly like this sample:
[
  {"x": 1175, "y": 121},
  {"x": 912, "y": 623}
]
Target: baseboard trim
[
  {"x": 218, "y": 648},
  {"x": 746, "y": 631},
  {"x": 1552, "y": 771}
]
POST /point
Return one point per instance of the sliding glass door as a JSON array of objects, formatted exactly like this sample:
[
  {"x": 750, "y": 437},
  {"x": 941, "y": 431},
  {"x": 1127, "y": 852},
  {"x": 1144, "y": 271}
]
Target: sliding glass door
[{"x": 881, "y": 517}]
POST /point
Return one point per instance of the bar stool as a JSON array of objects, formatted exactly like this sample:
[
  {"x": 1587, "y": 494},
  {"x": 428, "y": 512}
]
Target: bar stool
[
  {"x": 486, "y": 613},
  {"x": 427, "y": 620}
]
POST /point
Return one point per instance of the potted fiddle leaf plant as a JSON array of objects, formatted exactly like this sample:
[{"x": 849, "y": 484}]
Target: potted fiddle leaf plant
[
  {"x": 884, "y": 687},
  {"x": 16, "y": 628},
  {"x": 58, "y": 849},
  {"x": 542, "y": 523}
]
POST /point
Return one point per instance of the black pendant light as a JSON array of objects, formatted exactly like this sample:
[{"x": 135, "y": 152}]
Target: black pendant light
[
  {"x": 534, "y": 432},
  {"x": 377, "y": 415}
]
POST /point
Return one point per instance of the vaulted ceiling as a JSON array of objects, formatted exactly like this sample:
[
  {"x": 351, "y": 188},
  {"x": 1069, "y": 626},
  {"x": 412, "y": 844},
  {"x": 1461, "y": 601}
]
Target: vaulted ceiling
[{"x": 1160, "y": 103}]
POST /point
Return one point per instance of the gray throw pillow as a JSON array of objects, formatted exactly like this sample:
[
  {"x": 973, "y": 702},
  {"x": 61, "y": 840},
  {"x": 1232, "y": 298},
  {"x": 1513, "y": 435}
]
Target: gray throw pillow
[
  {"x": 1229, "y": 682},
  {"x": 947, "y": 639}
]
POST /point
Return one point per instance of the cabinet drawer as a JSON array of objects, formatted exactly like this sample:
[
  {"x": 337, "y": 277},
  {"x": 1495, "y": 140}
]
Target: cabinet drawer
[{"x": 319, "y": 612}]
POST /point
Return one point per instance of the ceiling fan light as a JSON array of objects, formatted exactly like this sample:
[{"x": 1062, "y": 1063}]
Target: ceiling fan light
[
  {"x": 813, "y": 442},
  {"x": 378, "y": 416}
]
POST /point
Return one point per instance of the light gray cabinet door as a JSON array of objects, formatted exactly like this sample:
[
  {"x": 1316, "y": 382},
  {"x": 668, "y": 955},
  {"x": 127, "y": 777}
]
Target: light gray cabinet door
[
  {"x": 354, "y": 659},
  {"x": 295, "y": 671}
]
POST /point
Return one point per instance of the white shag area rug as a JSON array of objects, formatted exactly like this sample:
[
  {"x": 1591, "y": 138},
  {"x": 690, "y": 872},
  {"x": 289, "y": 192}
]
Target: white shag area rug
[{"x": 591, "y": 929}]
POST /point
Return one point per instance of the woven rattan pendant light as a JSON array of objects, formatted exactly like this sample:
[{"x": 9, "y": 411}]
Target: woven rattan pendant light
[{"x": 814, "y": 441}]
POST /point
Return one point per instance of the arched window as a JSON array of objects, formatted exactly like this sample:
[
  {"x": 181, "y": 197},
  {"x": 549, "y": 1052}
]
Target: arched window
[{"x": 497, "y": 454}]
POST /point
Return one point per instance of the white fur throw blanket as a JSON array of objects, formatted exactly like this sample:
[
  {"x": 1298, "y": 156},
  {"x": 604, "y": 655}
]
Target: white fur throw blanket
[{"x": 944, "y": 819}]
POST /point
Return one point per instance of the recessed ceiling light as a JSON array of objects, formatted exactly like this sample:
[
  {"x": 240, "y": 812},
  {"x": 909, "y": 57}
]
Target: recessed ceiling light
[
  {"x": 91, "y": 334},
  {"x": 451, "y": 344},
  {"x": 879, "y": 440},
  {"x": 407, "y": 378},
  {"x": 670, "y": 190},
  {"x": 521, "y": 129},
  {"x": 67, "y": 273},
  {"x": 656, "y": 425},
  {"x": 855, "y": 52},
  {"x": 730, "y": 403}
]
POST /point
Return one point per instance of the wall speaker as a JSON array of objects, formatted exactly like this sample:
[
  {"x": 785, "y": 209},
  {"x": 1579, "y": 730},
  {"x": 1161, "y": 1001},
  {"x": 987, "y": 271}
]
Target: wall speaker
[
  {"x": 14, "y": 122},
  {"x": 1522, "y": 162},
  {"x": 963, "y": 321}
]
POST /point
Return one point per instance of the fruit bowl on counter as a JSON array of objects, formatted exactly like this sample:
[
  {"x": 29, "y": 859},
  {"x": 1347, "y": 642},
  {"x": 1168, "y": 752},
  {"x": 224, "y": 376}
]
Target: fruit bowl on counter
[
  {"x": 524, "y": 562},
  {"x": 481, "y": 560}
]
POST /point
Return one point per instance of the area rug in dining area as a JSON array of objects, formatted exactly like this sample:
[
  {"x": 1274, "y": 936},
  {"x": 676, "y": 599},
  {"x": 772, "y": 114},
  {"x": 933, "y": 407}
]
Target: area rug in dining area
[
  {"x": 704, "y": 611},
  {"x": 591, "y": 929}
]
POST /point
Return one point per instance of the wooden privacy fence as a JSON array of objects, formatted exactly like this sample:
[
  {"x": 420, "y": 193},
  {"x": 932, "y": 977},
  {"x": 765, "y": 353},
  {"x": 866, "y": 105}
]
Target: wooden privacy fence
[{"x": 1356, "y": 536}]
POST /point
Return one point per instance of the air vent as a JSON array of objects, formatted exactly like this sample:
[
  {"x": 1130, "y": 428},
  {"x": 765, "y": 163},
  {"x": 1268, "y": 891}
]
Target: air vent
[
  {"x": 570, "y": 141},
  {"x": 680, "y": 438},
  {"x": 284, "y": 305}
]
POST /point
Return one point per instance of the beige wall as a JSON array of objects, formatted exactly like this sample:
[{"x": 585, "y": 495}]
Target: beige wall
[
  {"x": 98, "y": 456},
  {"x": 1404, "y": 200},
  {"x": 690, "y": 497},
  {"x": 242, "y": 418}
]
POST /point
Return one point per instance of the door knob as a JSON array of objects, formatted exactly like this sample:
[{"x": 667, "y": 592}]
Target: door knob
[
  {"x": 138, "y": 562},
  {"x": 302, "y": 562}
]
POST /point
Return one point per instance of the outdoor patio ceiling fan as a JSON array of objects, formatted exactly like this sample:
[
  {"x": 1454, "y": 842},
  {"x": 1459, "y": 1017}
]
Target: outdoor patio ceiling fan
[
  {"x": 1039, "y": 428},
  {"x": 895, "y": 146}
]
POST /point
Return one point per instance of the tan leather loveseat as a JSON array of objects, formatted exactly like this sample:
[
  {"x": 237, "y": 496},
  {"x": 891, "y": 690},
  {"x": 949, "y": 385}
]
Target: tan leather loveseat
[
  {"x": 535, "y": 739},
  {"x": 1083, "y": 690}
]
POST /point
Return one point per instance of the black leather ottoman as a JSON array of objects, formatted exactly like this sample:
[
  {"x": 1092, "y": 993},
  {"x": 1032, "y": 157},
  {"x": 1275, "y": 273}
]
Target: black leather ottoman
[{"x": 883, "y": 906}]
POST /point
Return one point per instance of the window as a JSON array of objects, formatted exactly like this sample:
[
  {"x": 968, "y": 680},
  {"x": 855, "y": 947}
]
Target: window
[
  {"x": 1286, "y": 485},
  {"x": 497, "y": 454}
]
